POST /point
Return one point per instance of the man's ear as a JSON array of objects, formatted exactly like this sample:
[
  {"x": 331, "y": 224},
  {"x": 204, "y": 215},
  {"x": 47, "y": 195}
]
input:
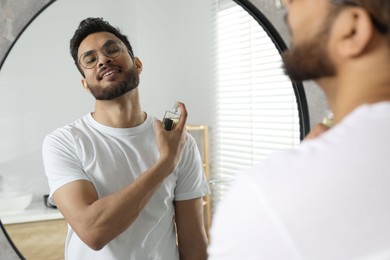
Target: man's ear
[
  {"x": 354, "y": 30},
  {"x": 85, "y": 85},
  {"x": 138, "y": 63}
]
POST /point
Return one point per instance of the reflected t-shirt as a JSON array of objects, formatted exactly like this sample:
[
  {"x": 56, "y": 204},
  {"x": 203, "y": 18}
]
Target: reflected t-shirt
[{"x": 112, "y": 158}]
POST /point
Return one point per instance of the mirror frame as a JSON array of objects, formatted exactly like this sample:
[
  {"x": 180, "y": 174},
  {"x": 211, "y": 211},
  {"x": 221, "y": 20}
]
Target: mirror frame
[
  {"x": 269, "y": 28},
  {"x": 10, "y": 242},
  {"x": 261, "y": 19},
  {"x": 24, "y": 27}
]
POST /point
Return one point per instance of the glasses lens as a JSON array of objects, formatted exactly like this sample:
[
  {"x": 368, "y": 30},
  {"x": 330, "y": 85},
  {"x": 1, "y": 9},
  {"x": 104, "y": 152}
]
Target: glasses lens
[
  {"x": 89, "y": 59},
  {"x": 111, "y": 49}
]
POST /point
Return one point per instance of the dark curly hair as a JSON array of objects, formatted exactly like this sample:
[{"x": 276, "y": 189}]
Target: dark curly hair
[{"x": 93, "y": 25}]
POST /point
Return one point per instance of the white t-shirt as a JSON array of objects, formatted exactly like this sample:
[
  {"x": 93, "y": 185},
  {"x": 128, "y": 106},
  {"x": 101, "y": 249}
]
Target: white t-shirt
[
  {"x": 112, "y": 158},
  {"x": 328, "y": 199}
]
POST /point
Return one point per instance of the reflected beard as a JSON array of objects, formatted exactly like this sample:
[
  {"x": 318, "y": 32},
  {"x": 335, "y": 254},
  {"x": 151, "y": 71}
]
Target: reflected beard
[
  {"x": 310, "y": 60},
  {"x": 117, "y": 89}
]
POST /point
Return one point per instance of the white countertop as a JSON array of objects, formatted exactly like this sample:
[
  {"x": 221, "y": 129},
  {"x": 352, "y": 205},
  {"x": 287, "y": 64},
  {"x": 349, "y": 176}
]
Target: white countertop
[{"x": 36, "y": 211}]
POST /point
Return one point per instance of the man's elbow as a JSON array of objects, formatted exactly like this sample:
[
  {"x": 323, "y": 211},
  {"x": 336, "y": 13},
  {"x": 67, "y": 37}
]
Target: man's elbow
[
  {"x": 94, "y": 240},
  {"x": 96, "y": 245}
]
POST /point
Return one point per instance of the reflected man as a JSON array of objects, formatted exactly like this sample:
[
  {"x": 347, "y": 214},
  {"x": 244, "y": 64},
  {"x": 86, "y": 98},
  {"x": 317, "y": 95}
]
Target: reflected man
[{"x": 128, "y": 188}]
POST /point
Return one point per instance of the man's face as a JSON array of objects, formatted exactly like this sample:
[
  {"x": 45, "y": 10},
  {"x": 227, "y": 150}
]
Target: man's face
[
  {"x": 308, "y": 58},
  {"x": 111, "y": 77}
]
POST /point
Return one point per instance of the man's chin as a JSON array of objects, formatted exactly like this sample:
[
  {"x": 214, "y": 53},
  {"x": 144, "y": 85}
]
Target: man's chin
[
  {"x": 110, "y": 90},
  {"x": 113, "y": 92},
  {"x": 301, "y": 67}
]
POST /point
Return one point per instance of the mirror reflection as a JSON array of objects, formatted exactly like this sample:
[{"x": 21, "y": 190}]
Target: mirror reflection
[{"x": 41, "y": 88}]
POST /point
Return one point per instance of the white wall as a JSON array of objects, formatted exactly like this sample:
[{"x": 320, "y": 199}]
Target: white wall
[
  {"x": 174, "y": 43},
  {"x": 41, "y": 90}
]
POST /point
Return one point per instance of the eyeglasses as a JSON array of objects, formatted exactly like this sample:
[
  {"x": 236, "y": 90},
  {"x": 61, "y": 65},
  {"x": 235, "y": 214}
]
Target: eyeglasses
[{"x": 111, "y": 49}]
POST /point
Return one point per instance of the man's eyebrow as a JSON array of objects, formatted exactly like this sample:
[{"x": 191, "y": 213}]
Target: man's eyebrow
[
  {"x": 87, "y": 52},
  {"x": 108, "y": 42}
]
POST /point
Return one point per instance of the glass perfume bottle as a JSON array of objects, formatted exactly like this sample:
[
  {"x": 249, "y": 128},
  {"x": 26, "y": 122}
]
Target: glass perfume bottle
[{"x": 171, "y": 118}]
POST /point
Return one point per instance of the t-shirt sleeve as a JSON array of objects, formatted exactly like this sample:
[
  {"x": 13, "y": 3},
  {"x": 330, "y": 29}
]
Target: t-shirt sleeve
[
  {"x": 191, "y": 182},
  {"x": 61, "y": 161}
]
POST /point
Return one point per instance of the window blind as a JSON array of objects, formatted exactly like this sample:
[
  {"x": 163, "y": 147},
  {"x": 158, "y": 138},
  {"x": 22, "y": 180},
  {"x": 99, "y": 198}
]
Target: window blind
[{"x": 256, "y": 110}]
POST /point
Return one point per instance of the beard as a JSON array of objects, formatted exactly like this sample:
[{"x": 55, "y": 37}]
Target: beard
[
  {"x": 310, "y": 60},
  {"x": 118, "y": 89}
]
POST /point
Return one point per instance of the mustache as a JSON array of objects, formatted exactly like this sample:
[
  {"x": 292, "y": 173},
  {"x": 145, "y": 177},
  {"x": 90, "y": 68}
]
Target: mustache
[{"x": 108, "y": 66}]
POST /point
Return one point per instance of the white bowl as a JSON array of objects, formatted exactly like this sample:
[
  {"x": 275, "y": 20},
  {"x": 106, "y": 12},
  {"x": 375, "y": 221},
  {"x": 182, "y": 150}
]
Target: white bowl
[{"x": 14, "y": 203}]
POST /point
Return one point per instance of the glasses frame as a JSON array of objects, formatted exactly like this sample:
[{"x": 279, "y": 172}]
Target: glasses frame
[{"x": 102, "y": 52}]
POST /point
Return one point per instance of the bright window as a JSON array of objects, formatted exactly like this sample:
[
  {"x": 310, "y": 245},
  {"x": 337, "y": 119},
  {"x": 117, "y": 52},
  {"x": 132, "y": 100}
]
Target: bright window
[{"x": 256, "y": 110}]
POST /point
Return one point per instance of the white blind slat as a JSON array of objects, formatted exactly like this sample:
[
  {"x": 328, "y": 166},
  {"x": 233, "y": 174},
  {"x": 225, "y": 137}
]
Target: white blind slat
[{"x": 256, "y": 111}]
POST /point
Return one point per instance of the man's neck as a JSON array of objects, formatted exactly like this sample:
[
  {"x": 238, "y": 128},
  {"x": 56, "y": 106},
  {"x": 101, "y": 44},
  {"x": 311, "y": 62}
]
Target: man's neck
[
  {"x": 345, "y": 95},
  {"x": 359, "y": 80},
  {"x": 122, "y": 112}
]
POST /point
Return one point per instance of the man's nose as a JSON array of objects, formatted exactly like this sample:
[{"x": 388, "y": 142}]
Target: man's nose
[{"x": 103, "y": 59}]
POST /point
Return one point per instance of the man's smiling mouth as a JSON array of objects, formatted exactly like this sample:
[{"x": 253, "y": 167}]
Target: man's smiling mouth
[{"x": 108, "y": 72}]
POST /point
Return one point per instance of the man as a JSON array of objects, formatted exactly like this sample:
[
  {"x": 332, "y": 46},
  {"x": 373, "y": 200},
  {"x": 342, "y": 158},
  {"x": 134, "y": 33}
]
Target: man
[
  {"x": 128, "y": 188},
  {"x": 329, "y": 198}
]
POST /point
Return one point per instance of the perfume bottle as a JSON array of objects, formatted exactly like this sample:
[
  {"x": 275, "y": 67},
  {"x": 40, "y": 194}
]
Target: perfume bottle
[{"x": 171, "y": 118}]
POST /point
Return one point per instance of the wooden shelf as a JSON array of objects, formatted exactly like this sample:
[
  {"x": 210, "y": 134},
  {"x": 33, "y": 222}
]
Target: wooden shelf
[
  {"x": 204, "y": 150},
  {"x": 40, "y": 239}
]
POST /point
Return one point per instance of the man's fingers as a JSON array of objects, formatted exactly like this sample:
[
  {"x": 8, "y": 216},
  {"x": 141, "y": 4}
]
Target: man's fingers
[{"x": 183, "y": 115}]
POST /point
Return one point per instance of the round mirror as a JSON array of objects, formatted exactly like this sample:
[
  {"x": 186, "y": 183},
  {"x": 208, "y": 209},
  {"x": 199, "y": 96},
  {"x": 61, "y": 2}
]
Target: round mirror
[{"x": 220, "y": 57}]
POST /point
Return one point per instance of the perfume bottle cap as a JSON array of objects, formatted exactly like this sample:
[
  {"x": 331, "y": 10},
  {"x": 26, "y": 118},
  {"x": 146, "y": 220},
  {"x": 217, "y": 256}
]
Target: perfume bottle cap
[{"x": 176, "y": 109}]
